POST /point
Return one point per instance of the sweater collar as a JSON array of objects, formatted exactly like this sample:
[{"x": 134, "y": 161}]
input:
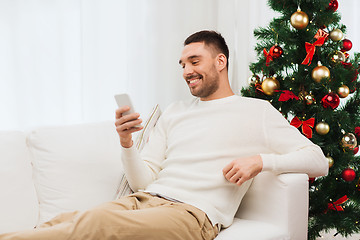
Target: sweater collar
[{"x": 218, "y": 101}]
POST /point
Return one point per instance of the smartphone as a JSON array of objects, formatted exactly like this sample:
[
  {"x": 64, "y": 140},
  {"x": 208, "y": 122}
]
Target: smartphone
[{"x": 124, "y": 100}]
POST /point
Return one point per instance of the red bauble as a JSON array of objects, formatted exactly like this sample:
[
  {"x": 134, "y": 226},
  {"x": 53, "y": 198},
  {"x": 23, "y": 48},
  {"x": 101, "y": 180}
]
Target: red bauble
[
  {"x": 333, "y": 5},
  {"x": 347, "y": 45},
  {"x": 276, "y": 51},
  {"x": 356, "y": 150},
  {"x": 348, "y": 174},
  {"x": 330, "y": 100}
]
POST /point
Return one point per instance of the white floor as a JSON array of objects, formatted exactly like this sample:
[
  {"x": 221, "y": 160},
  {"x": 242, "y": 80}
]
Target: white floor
[{"x": 330, "y": 236}]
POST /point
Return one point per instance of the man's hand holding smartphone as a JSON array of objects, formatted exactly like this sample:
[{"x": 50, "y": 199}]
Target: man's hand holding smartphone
[{"x": 127, "y": 120}]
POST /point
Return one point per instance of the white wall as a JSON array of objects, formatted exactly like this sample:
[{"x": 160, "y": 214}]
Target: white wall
[
  {"x": 61, "y": 61},
  {"x": 40, "y": 62}
]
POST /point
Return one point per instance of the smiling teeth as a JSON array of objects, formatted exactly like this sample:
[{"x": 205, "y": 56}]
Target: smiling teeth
[{"x": 192, "y": 81}]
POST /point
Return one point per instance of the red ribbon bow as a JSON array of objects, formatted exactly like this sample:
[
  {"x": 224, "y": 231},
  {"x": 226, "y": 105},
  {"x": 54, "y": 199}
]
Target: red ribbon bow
[
  {"x": 357, "y": 131},
  {"x": 306, "y": 125},
  {"x": 286, "y": 95},
  {"x": 268, "y": 55},
  {"x": 347, "y": 65},
  {"x": 336, "y": 205},
  {"x": 321, "y": 36}
]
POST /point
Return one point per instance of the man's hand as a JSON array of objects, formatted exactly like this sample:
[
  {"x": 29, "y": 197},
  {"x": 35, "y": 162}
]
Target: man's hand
[
  {"x": 125, "y": 126},
  {"x": 243, "y": 169}
]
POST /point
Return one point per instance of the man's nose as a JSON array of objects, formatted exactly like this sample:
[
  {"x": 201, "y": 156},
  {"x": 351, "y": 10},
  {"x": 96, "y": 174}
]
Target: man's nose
[{"x": 188, "y": 70}]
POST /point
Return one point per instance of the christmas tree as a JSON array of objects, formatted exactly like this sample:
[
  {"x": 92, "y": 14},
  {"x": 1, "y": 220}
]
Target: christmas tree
[{"x": 304, "y": 70}]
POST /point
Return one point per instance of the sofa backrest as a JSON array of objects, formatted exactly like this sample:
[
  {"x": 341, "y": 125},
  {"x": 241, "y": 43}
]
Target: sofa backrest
[
  {"x": 18, "y": 201},
  {"x": 75, "y": 167}
]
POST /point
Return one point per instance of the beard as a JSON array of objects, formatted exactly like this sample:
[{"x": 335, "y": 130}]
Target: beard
[{"x": 208, "y": 86}]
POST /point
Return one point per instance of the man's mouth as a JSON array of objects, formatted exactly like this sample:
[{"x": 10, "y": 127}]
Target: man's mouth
[{"x": 193, "y": 81}]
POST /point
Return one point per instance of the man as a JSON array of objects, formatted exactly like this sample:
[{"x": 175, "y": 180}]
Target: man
[{"x": 199, "y": 161}]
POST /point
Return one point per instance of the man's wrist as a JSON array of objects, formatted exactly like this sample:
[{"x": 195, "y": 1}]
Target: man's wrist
[
  {"x": 260, "y": 161},
  {"x": 126, "y": 144}
]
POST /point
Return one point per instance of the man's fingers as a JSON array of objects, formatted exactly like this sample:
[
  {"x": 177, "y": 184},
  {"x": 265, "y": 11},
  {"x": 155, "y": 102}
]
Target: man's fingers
[
  {"x": 241, "y": 181},
  {"x": 233, "y": 175},
  {"x": 117, "y": 114},
  {"x": 235, "y": 178},
  {"x": 120, "y": 111},
  {"x": 123, "y": 127},
  {"x": 132, "y": 130},
  {"x": 227, "y": 168},
  {"x": 230, "y": 174},
  {"x": 126, "y": 118}
]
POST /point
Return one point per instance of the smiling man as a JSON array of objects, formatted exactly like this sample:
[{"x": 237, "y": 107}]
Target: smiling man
[{"x": 198, "y": 163}]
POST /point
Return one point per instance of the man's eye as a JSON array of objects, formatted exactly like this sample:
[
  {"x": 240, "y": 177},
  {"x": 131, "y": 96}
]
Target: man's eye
[{"x": 195, "y": 62}]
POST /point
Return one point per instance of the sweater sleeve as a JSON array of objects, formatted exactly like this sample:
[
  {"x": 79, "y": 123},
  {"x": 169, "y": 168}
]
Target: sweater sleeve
[
  {"x": 141, "y": 169},
  {"x": 290, "y": 150}
]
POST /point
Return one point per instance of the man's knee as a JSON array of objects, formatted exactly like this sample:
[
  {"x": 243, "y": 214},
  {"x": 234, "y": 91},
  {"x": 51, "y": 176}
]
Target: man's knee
[{"x": 94, "y": 216}]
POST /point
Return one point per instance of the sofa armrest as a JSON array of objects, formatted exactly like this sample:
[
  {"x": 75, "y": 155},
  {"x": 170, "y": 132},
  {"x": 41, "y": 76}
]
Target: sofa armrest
[{"x": 281, "y": 200}]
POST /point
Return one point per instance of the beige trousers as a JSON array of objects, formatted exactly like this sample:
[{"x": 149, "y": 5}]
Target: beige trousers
[{"x": 139, "y": 216}]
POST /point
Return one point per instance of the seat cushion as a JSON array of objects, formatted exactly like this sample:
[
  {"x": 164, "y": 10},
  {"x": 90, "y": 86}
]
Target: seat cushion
[
  {"x": 19, "y": 204},
  {"x": 252, "y": 230}
]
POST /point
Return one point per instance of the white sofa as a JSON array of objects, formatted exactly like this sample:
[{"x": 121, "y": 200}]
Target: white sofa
[{"x": 63, "y": 168}]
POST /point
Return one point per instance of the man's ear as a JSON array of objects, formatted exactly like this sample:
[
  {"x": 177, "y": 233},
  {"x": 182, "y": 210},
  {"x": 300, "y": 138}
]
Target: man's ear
[{"x": 221, "y": 61}]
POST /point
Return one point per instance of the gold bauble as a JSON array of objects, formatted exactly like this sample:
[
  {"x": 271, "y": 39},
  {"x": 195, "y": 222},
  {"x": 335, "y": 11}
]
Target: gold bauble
[
  {"x": 338, "y": 57},
  {"x": 349, "y": 141},
  {"x": 343, "y": 91},
  {"x": 299, "y": 20},
  {"x": 319, "y": 73},
  {"x": 269, "y": 85},
  {"x": 322, "y": 128},
  {"x": 330, "y": 161},
  {"x": 336, "y": 35}
]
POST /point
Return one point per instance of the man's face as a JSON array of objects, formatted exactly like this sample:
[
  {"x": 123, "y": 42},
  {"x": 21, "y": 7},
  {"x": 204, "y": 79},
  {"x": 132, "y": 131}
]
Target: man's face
[{"x": 200, "y": 71}]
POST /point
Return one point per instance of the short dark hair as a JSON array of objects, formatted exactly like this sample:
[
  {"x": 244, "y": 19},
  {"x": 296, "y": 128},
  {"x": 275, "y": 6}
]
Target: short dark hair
[{"x": 210, "y": 38}]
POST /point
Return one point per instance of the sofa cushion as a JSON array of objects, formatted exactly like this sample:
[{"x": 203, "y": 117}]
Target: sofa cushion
[
  {"x": 76, "y": 167},
  {"x": 19, "y": 205},
  {"x": 252, "y": 230}
]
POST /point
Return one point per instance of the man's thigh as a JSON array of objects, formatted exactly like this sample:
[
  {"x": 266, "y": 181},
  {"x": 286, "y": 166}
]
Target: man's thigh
[{"x": 149, "y": 218}]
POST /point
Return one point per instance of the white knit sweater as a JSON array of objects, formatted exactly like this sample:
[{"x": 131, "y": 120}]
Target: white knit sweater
[{"x": 193, "y": 141}]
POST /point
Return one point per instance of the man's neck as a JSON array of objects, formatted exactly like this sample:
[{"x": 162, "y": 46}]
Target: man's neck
[
  {"x": 223, "y": 91},
  {"x": 218, "y": 96}
]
